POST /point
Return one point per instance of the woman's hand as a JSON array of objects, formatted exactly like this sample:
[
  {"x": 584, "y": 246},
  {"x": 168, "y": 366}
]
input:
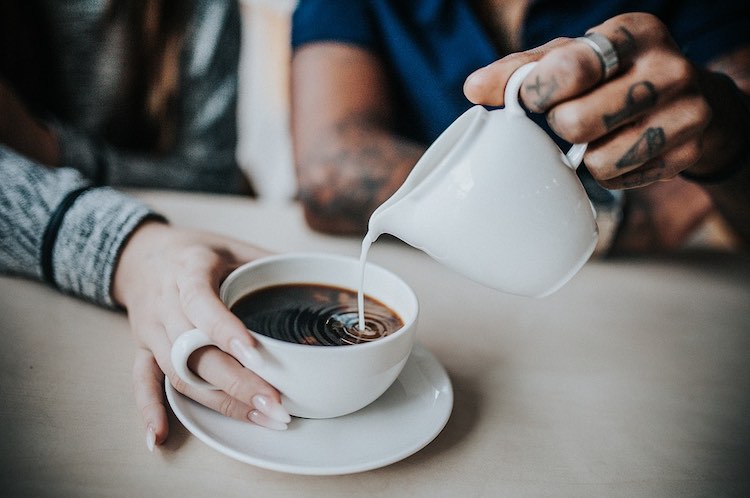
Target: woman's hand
[{"x": 168, "y": 280}]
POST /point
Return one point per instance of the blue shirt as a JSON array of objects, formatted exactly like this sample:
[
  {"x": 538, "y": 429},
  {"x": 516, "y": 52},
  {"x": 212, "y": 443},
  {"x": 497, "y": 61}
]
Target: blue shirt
[{"x": 431, "y": 46}]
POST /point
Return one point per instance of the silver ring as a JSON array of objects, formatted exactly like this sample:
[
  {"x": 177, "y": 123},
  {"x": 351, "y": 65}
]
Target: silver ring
[{"x": 605, "y": 51}]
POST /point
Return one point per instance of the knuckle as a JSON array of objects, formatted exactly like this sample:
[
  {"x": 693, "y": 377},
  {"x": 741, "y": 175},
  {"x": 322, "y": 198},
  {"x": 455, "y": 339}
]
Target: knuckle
[
  {"x": 563, "y": 62},
  {"x": 648, "y": 22},
  {"x": 234, "y": 389},
  {"x": 596, "y": 165},
  {"x": 180, "y": 385},
  {"x": 194, "y": 257},
  {"x": 641, "y": 22},
  {"x": 703, "y": 112},
  {"x": 569, "y": 125},
  {"x": 189, "y": 253},
  {"x": 691, "y": 153},
  {"x": 682, "y": 73},
  {"x": 148, "y": 409},
  {"x": 670, "y": 173},
  {"x": 140, "y": 363},
  {"x": 575, "y": 68},
  {"x": 601, "y": 163},
  {"x": 228, "y": 406},
  {"x": 183, "y": 258},
  {"x": 593, "y": 162},
  {"x": 216, "y": 329},
  {"x": 692, "y": 116},
  {"x": 140, "y": 374},
  {"x": 190, "y": 292}
]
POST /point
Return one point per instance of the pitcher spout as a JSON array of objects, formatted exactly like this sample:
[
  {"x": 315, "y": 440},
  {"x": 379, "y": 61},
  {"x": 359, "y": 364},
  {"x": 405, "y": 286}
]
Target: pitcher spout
[
  {"x": 392, "y": 217},
  {"x": 396, "y": 215}
]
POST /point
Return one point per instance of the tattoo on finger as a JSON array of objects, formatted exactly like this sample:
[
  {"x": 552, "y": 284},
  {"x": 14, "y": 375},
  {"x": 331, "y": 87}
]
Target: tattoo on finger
[
  {"x": 624, "y": 42},
  {"x": 643, "y": 176},
  {"x": 649, "y": 145},
  {"x": 640, "y": 97},
  {"x": 542, "y": 91}
]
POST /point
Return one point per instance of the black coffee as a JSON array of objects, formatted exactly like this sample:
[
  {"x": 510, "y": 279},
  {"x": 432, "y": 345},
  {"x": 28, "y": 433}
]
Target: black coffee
[{"x": 319, "y": 315}]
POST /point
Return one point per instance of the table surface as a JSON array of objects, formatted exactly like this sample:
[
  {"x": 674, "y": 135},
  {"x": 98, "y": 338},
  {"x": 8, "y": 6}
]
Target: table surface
[{"x": 632, "y": 380}]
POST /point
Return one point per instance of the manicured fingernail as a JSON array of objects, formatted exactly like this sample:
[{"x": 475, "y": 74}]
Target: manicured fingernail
[
  {"x": 258, "y": 418},
  {"x": 249, "y": 357},
  {"x": 271, "y": 408},
  {"x": 150, "y": 438}
]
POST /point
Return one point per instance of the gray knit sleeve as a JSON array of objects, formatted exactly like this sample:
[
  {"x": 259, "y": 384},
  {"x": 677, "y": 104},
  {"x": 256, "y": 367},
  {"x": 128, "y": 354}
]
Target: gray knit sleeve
[{"x": 90, "y": 236}]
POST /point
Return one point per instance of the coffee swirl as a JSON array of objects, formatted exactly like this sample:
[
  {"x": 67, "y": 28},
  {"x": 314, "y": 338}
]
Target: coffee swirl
[{"x": 314, "y": 314}]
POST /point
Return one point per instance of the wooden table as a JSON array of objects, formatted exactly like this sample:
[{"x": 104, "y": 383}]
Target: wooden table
[{"x": 633, "y": 380}]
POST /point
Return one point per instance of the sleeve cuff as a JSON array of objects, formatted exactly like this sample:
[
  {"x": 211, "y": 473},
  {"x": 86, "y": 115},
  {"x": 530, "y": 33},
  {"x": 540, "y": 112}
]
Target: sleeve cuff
[{"x": 90, "y": 239}]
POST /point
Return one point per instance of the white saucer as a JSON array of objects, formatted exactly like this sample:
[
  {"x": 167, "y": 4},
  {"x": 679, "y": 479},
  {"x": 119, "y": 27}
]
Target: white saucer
[{"x": 407, "y": 417}]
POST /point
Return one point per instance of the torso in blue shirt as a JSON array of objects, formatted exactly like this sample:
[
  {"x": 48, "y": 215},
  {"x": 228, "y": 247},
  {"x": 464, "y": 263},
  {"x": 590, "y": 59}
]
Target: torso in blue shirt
[{"x": 430, "y": 46}]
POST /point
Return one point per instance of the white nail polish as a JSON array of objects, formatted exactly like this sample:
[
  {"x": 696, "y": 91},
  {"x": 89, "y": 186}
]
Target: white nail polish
[
  {"x": 249, "y": 357},
  {"x": 271, "y": 408},
  {"x": 258, "y": 418},
  {"x": 150, "y": 438}
]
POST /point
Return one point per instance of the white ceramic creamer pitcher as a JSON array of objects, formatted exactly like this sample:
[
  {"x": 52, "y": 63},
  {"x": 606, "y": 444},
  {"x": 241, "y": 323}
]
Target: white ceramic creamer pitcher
[{"x": 495, "y": 199}]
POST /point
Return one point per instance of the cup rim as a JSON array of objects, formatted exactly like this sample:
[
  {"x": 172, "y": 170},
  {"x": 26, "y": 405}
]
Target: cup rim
[{"x": 408, "y": 324}]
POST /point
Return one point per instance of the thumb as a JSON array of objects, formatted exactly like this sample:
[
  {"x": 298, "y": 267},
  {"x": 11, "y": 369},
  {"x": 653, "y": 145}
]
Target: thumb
[
  {"x": 486, "y": 85},
  {"x": 148, "y": 382}
]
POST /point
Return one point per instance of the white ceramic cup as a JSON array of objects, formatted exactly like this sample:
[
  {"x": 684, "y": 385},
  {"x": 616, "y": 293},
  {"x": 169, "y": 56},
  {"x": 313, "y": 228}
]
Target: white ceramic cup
[
  {"x": 495, "y": 199},
  {"x": 318, "y": 381}
]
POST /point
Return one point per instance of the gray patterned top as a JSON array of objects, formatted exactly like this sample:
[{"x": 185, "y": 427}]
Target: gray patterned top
[{"x": 96, "y": 226}]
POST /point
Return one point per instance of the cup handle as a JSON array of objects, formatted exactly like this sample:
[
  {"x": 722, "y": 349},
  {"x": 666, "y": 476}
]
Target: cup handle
[
  {"x": 187, "y": 343},
  {"x": 575, "y": 154}
]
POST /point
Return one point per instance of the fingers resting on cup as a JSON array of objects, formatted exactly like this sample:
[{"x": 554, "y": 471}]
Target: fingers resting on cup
[
  {"x": 202, "y": 270},
  {"x": 168, "y": 280},
  {"x": 644, "y": 122},
  {"x": 241, "y": 394}
]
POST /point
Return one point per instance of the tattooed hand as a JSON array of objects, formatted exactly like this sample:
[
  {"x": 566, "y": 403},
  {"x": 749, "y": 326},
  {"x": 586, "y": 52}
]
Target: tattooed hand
[{"x": 657, "y": 116}]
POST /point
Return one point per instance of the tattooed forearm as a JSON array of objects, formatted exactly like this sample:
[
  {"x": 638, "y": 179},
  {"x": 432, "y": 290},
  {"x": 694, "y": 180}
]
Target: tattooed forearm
[
  {"x": 648, "y": 146},
  {"x": 360, "y": 167},
  {"x": 542, "y": 91},
  {"x": 640, "y": 97}
]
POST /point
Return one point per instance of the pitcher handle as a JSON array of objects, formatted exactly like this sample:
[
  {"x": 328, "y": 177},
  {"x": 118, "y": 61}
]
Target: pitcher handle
[
  {"x": 512, "y": 105},
  {"x": 575, "y": 155}
]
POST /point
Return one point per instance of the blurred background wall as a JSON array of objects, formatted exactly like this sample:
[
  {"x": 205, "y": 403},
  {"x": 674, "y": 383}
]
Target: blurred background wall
[{"x": 264, "y": 150}]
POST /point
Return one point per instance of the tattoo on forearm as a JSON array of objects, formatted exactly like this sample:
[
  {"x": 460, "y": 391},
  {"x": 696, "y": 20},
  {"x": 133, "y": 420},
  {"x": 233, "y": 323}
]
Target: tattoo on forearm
[
  {"x": 542, "y": 91},
  {"x": 648, "y": 146},
  {"x": 640, "y": 97},
  {"x": 359, "y": 169}
]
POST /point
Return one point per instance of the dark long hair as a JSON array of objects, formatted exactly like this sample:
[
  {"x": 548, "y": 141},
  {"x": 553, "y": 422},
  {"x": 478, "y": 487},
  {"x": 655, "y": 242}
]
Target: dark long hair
[
  {"x": 25, "y": 60},
  {"x": 147, "y": 115},
  {"x": 156, "y": 32}
]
